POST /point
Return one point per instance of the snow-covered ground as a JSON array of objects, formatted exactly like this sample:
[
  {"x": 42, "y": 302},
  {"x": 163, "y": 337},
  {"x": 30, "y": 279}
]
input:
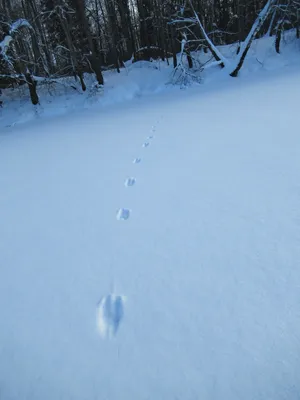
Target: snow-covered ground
[
  {"x": 150, "y": 250},
  {"x": 139, "y": 80}
]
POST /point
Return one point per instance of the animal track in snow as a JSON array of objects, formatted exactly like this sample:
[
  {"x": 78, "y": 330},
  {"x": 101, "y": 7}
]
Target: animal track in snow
[
  {"x": 137, "y": 160},
  {"x": 150, "y": 137},
  {"x": 123, "y": 214},
  {"x": 130, "y": 182},
  {"x": 110, "y": 312},
  {"x": 146, "y": 144}
]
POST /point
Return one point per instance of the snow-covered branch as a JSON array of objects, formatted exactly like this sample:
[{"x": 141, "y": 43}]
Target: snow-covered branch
[
  {"x": 14, "y": 28},
  {"x": 20, "y": 23},
  {"x": 214, "y": 50},
  {"x": 251, "y": 36},
  {"x": 182, "y": 74},
  {"x": 4, "y": 45}
]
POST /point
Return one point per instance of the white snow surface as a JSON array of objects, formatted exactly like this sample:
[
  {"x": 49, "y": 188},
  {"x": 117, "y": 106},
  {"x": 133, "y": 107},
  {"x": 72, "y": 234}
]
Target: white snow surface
[{"x": 208, "y": 258}]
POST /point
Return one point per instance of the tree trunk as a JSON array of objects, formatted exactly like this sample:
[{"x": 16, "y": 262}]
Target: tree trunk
[
  {"x": 172, "y": 33},
  {"x": 278, "y": 38},
  {"x": 66, "y": 29},
  {"x": 95, "y": 63},
  {"x": 126, "y": 27},
  {"x": 113, "y": 28},
  {"x": 241, "y": 23},
  {"x": 270, "y": 30},
  {"x": 83, "y": 86},
  {"x": 39, "y": 29},
  {"x": 297, "y": 24},
  {"x": 189, "y": 58},
  {"x": 32, "y": 88}
]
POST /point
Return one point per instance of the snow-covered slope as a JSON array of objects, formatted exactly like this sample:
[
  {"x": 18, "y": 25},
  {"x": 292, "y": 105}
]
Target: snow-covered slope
[
  {"x": 139, "y": 80},
  {"x": 195, "y": 294}
]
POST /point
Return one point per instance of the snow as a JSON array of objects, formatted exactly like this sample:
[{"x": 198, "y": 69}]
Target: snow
[
  {"x": 4, "y": 44},
  {"x": 19, "y": 23},
  {"x": 207, "y": 258},
  {"x": 139, "y": 80}
]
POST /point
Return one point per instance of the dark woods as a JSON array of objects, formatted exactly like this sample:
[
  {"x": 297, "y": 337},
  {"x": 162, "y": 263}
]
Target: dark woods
[{"x": 48, "y": 39}]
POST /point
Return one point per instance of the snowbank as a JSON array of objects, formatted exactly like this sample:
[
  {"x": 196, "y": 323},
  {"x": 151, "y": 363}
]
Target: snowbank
[{"x": 138, "y": 80}]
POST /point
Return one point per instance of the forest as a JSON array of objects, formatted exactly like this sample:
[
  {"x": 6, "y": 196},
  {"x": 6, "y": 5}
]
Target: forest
[{"x": 48, "y": 39}]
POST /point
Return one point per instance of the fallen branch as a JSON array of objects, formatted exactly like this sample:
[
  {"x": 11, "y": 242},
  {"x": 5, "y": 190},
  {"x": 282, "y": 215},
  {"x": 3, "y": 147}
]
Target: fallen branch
[{"x": 251, "y": 36}]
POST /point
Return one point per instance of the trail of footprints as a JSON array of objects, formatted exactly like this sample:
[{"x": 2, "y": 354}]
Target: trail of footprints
[
  {"x": 123, "y": 214},
  {"x": 110, "y": 309}
]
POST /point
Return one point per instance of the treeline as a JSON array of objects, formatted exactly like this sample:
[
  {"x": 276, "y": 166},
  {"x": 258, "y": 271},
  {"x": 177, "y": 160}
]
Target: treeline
[{"x": 55, "y": 38}]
